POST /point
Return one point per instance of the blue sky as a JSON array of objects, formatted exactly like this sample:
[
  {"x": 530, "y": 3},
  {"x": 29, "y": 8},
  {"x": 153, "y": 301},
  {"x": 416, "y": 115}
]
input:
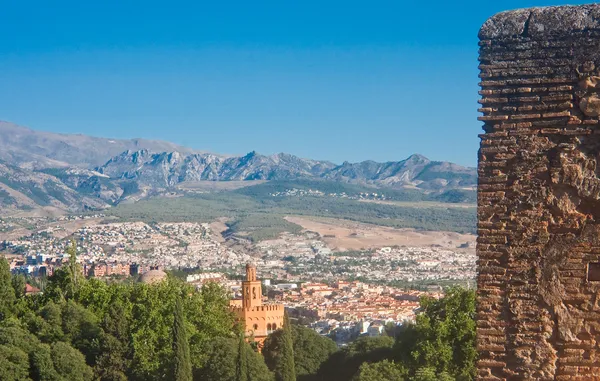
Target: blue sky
[{"x": 321, "y": 79}]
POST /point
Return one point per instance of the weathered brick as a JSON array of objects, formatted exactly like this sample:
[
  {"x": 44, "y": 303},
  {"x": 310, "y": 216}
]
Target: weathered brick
[{"x": 538, "y": 314}]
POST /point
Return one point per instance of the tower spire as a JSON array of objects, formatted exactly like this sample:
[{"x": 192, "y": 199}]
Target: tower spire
[{"x": 251, "y": 288}]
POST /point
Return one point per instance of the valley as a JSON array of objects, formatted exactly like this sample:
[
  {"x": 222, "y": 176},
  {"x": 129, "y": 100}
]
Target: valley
[{"x": 147, "y": 203}]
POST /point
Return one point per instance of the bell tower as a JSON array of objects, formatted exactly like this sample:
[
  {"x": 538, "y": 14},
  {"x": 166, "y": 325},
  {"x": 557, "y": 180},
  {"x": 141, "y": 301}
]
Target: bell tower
[
  {"x": 251, "y": 288},
  {"x": 259, "y": 319}
]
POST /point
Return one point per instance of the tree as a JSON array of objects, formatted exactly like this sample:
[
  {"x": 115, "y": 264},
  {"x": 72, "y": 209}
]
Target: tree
[
  {"x": 181, "y": 348},
  {"x": 443, "y": 337},
  {"x": 82, "y": 330},
  {"x": 242, "y": 359},
  {"x": 70, "y": 363},
  {"x": 42, "y": 367},
  {"x": 65, "y": 281},
  {"x": 223, "y": 355},
  {"x": 74, "y": 270},
  {"x": 49, "y": 329},
  {"x": 425, "y": 374},
  {"x": 380, "y": 371},
  {"x": 14, "y": 363},
  {"x": 344, "y": 364},
  {"x": 112, "y": 362},
  {"x": 284, "y": 368},
  {"x": 310, "y": 351},
  {"x": 119, "y": 331},
  {"x": 7, "y": 292},
  {"x": 18, "y": 284}
]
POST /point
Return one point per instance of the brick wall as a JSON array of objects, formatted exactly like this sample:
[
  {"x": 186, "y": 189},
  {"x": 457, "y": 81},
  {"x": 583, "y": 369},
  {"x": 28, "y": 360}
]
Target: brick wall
[{"x": 538, "y": 314}]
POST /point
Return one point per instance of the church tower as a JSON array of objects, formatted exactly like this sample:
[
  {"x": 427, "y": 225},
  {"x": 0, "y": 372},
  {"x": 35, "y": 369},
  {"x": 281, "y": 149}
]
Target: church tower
[
  {"x": 259, "y": 319},
  {"x": 251, "y": 288}
]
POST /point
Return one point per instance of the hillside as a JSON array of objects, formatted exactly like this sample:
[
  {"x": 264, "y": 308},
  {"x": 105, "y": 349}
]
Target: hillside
[
  {"x": 167, "y": 169},
  {"x": 23, "y": 189},
  {"x": 79, "y": 172},
  {"x": 32, "y": 149}
]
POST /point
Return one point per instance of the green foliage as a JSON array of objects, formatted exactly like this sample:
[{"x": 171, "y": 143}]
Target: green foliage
[
  {"x": 430, "y": 173},
  {"x": 129, "y": 331},
  {"x": 439, "y": 346},
  {"x": 429, "y": 374},
  {"x": 344, "y": 364},
  {"x": 21, "y": 353},
  {"x": 18, "y": 284},
  {"x": 81, "y": 329},
  {"x": 49, "y": 325},
  {"x": 285, "y": 369},
  {"x": 456, "y": 196},
  {"x": 42, "y": 366},
  {"x": 311, "y": 350},
  {"x": 380, "y": 371},
  {"x": 183, "y": 366},
  {"x": 262, "y": 216},
  {"x": 265, "y": 190},
  {"x": 222, "y": 362},
  {"x": 70, "y": 363},
  {"x": 261, "y": 227},
  {"x": 242, "y": 370},
  {"x": 65, "y": 281},
  {"x": 443, "y": 337},
  {"x": 425, "y": 374},
  {"x": 424, "y": 218},
  {"x": 74, "y": 270},
  {"x": 14, "y": 363},
  {"x": 112, "y": 362},
  {"x": 7, "y": 292},
  {"x": 115, "y": 353},
  {"x": 112, "y": 331}
]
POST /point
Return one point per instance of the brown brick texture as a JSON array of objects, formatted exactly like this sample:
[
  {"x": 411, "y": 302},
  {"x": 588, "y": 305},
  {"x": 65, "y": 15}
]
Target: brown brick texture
[{"x": 538, "y": 311}]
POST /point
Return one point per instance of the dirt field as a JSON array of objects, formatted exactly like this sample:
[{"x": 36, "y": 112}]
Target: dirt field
[
  {"x": 217, "y": 228},
  {"x": 344, "y": 235}
]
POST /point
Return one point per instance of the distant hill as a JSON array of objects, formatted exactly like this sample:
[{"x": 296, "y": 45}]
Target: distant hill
[
  {"x": 167, "y": 169},
  {"x": 22, "y": 189},
  {"x": 32, "y": 149},
  {"x": 75, "y": 172}
]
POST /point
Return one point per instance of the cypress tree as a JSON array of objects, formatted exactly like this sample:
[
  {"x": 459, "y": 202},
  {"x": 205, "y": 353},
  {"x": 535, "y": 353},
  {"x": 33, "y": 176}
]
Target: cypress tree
[
  {"x": 7, "y": 292},
  {"x": 73, "y": 271},
  {"x": 181, "y": 347},
  {"x": 241, "y": 371},
  {"x": 285, "y": 369}
]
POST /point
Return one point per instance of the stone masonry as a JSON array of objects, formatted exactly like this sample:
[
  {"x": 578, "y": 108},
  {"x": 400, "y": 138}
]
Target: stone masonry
[{"x": 538, "y": 315}]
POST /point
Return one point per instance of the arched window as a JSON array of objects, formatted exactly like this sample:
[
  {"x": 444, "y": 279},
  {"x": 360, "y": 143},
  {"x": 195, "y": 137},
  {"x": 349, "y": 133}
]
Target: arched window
[
  {"x": 253, "y": 292},
  {"x": 255, "y": 327},
  {"x": 269, "y": 327},
  {"x": 274, "y": 326}
]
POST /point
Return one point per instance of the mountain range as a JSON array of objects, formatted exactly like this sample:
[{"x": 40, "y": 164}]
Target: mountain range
[{"x": 76, "y": 172}]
